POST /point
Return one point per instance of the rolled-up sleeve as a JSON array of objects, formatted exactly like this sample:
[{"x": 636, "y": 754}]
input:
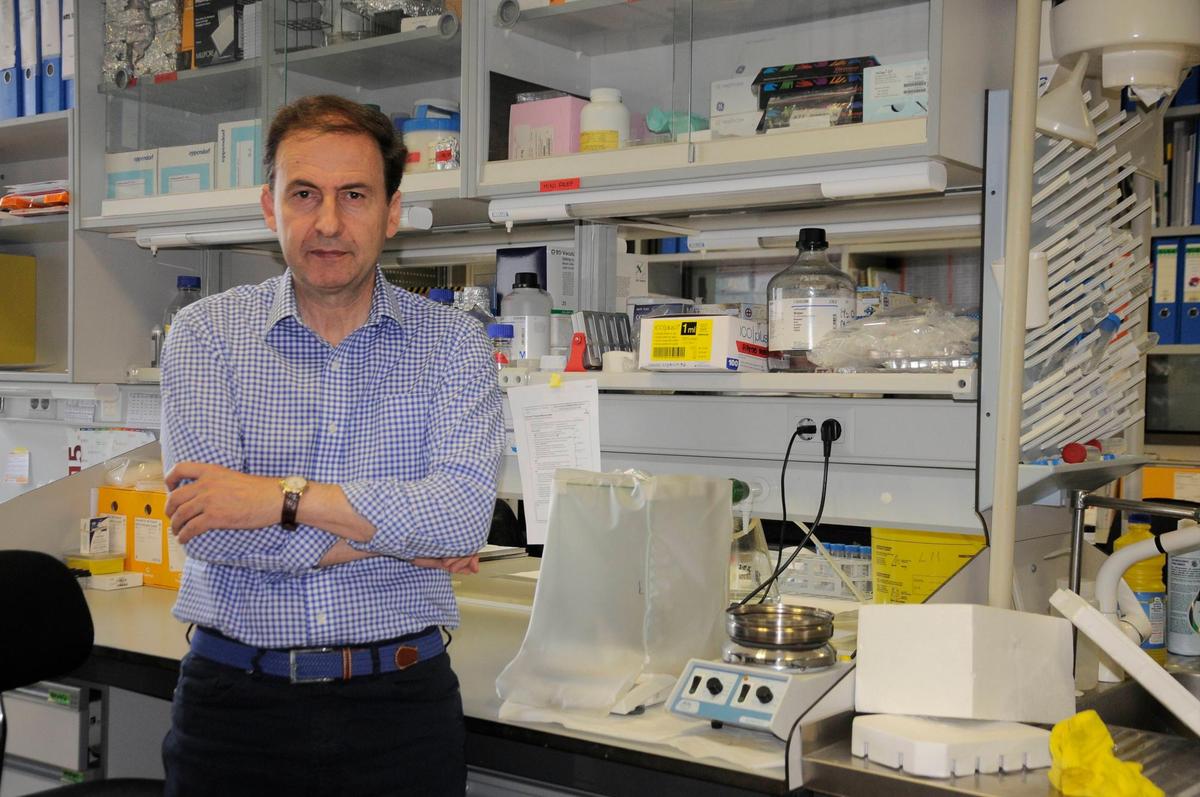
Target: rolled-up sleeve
[
  {"x": 448, "y": 511},
  {"x": 200, "y": 424}
]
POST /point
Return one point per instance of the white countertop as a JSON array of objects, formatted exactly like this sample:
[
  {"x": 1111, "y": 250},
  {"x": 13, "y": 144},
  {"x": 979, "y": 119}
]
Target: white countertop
[{"x": 494, "y": 606}]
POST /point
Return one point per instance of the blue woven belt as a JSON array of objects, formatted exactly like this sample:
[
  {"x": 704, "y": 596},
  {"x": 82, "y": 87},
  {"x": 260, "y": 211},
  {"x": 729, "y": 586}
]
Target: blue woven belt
[{"x": 318, "y": 665}]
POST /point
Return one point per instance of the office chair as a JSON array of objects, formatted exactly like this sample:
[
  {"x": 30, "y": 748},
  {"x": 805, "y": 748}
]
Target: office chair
[{"x": 46, "y": 632}]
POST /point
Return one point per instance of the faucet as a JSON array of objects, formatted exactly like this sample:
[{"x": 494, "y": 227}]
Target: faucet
[{"x": 1108, "y": 579}]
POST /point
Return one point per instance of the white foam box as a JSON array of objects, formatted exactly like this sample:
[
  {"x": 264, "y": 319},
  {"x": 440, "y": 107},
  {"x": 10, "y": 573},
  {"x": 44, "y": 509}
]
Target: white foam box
[
  {"x": 130, "y": 175},
  {"x": 187, "y": 169},
  {"x": 239, "y": 154},
  {"x": 934, "y": 748},
  {"x": 111, "y": 581},
  {"x": 703, "y": 343},
  {"x": 964, "y": 661}
]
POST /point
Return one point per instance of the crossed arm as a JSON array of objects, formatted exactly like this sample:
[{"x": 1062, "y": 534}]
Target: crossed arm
[{"x": 226, "y": 516}]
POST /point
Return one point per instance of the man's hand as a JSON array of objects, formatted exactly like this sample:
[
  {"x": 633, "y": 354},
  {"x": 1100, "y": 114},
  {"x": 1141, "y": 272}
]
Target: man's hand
[
  {"x": 456, "y": 565},
  {"x": 219, "y": 498}
]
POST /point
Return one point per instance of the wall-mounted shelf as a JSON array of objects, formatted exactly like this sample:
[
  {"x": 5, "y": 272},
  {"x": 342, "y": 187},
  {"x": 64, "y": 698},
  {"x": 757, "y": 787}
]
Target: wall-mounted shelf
[
  {"x": 959, "y": 385},
  {"x": 1177, "y": 348},
  {"x": 1173, "y": 232},
  {"x": 33, "y": 138},
  {"x": 222, "y": 87},
  {"x": 414, "y": 56},
  {"x": 1182, "y": 112},
  {"x": 33, "y": 229}
]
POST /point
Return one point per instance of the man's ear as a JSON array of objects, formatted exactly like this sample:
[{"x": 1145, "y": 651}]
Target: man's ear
[
  {"x": 393, "y": 219},
  {"x": 267, "y": 200}
]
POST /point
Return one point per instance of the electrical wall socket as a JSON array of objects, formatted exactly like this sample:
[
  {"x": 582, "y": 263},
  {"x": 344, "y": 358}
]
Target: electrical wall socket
[
  {"x": 43, "y": 407},
  {"x": 818, "y": 414}
]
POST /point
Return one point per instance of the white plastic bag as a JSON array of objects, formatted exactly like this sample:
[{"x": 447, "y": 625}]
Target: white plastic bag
[{"x": 632, "y": 585}]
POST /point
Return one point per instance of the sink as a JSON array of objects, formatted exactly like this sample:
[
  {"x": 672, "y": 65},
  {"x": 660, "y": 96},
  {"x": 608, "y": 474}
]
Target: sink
[{"x": 1128, "y": 705}]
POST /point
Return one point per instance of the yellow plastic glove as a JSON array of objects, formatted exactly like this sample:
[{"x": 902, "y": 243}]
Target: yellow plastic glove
[{"x": 1084, "y": 764}]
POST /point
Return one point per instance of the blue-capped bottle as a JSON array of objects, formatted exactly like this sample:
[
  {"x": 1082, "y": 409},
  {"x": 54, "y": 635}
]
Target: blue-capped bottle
[{"x": 187, "y": 291}]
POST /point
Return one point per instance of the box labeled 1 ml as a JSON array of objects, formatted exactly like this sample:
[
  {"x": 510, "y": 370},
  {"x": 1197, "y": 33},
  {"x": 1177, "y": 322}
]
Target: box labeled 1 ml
[{"x": 703, "y": 343}]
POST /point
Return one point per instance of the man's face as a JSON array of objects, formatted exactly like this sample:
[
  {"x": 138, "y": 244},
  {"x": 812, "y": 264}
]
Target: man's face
[{"x": 330, "y": 208}]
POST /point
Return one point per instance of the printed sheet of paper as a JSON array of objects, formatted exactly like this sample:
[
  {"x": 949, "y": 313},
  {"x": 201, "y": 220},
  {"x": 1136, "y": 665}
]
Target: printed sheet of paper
[
  {"x": 555, "y": 427},
  {"x": 16, "y": 467}
]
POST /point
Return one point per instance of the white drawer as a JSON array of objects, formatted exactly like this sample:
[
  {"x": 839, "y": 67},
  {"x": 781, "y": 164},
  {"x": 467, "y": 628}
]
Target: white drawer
[{"x": 54, "y": 723}]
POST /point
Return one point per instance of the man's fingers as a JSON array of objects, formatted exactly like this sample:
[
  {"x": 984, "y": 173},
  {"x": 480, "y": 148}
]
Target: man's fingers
[
  {"x": 180, "y": 496},
  {"x": 183, "y": 513},
  {"x": 192, "y": 528},
  {"x": 183, "y": 470}
]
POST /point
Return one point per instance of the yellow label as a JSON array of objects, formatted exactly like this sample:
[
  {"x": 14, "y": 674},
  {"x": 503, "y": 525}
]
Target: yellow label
[
  {"x": 909, "y": 566},
  {"x": 599, "y": 140},
  {"x": 682, "y": 340}
]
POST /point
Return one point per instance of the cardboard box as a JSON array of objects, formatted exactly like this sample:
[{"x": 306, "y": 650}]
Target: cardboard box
[
  {"x": 99, "y": 564},
  {"x": 964, "y": 661},
  {"x": 736, "y": 124},
  {"x": 187, "y": 169},
  {"x": 216, "y": 28},
  {"x": 239, "y": 154},
  {"x": 93, "y": 535},
  {"x": 896, "y": 91},
  {"x": 733, "y": 95},
  {"x": 18, "y": 308},
  {"x": 150, "y": 547},
  {"x": 131, "y": 174},
  {"x": 703, "y": 343},
  {"x": 186, "y": 58},
  {"x": 747, "y": 310},
  {"x": 544, "y": 127}
]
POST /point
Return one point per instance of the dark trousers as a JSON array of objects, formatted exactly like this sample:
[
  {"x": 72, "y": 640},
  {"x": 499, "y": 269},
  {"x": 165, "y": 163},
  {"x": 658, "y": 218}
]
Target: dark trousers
[{"x": 396, "y": 734}]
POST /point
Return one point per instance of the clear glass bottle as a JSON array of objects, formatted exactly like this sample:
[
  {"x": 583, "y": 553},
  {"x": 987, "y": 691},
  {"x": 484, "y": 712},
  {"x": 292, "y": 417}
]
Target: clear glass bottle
[
  {"x": 806, "y": 301},
  {"x": 527, "y": 307},
  {"x": 750, "y": 561},
  {"x": 187, "y": 291},
  {"x": 501, "y": 336}
]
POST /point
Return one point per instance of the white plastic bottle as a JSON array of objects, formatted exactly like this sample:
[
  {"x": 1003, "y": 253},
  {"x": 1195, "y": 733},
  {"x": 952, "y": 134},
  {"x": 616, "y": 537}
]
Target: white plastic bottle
[
  {"x": 1183, "y": 604},
  {"x": 527, "y": 307},
  {"x": 603, "y": 122}
]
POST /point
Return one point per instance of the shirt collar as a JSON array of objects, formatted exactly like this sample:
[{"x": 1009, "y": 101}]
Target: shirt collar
[{"x": 383, "y": 302}]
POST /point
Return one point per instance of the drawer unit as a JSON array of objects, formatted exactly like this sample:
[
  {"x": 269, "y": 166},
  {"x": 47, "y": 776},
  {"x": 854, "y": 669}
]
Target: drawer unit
[{"x": 55, "y": 724}]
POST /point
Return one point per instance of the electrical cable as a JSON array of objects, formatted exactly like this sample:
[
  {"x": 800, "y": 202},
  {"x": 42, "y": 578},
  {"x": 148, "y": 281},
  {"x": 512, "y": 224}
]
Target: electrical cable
[{"x": 781, "y": 565}]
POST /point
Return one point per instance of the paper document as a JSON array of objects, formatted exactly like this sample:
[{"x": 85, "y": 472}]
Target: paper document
[
  {"x": 16, "y": 467},
  {"x": 555, "y": 427}
]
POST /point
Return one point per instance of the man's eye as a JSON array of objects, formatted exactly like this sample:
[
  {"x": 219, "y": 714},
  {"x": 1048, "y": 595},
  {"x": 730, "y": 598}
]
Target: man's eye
[
  {"x": 303, "y": 194},
  {"x": 354, "y": 195}
]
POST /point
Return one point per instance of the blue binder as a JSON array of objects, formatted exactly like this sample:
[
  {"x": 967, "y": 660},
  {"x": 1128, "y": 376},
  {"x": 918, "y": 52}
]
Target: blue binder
[
  {"x": 1189, "y": 299},
  {"x": 28, "y": 46},
  {"x": 68, "y": 53},
  {"x": 10, "y": 80},
  {"x": 1164, "y": 318},
  {"x": 50, "y": 28}
]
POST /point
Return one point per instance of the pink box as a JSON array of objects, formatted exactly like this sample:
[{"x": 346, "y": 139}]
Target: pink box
[{"x": 545, "y": 127}]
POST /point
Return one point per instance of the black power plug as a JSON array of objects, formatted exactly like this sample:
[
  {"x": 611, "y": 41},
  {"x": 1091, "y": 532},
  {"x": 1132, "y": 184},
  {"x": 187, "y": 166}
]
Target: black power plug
[{"x": 831, "y": 431}]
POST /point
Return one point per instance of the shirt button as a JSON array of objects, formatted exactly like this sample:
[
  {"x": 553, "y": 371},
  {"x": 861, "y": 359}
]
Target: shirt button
[
  {"x": 320, "y": 618},
  {"x": 334, "y": 365},
  {"x": 332, "y": 428}
]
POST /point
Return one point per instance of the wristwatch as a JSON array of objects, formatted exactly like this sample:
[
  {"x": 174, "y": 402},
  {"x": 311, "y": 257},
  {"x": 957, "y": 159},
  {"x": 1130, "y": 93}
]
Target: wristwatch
[{"x": 293, "y": 487}]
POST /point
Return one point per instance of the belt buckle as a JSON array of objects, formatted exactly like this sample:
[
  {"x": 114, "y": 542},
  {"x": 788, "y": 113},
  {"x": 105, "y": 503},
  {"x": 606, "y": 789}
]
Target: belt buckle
[{"x": 293, "y": 666}]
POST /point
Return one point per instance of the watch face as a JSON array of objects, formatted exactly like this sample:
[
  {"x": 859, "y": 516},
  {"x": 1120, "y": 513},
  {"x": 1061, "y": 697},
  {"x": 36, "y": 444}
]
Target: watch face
[{"x": 294, "y": 484}]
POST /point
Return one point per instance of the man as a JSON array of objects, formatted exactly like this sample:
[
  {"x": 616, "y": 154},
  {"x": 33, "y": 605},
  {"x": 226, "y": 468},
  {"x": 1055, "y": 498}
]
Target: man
[{"x": 333, "y": 444}]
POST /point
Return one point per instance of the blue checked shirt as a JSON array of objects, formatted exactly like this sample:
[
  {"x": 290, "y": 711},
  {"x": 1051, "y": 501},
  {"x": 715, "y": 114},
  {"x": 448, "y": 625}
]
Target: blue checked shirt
[{"x": 404, "y": 414}]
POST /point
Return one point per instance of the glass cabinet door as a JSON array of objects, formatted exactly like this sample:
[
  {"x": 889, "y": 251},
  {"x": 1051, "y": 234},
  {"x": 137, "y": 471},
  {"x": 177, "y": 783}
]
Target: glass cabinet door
[
  {"x": 402, "y": 56},
  {"x": 813, "y": 77},
  {"x": 172, "y": 102},
  {"x": 580, "y": 90}
]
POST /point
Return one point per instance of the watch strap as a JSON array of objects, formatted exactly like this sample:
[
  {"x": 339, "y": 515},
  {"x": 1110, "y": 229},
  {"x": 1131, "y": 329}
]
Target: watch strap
[{"x": 291, "y": 503}]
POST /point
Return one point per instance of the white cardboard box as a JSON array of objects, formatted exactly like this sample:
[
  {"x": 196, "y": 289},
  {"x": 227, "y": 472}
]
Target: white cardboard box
[
  {"x": 187, "y": 169},
  {"x": 130, "y": 174},
  {"x": 111, "y": 581},
  {"x": 703, "y": 343},
  {"x": 736, "y": 124},
  {"x": 964, "y": 661},
  {"x": 239, "y": 154},
  {"x": 733, "y": 95}
]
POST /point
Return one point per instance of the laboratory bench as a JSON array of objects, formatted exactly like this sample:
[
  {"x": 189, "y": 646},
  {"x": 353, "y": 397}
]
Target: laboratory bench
[{"x": 139, "y": 644}]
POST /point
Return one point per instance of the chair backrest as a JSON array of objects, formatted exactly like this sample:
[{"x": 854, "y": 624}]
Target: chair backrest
[{"x": 45, "y": 626}]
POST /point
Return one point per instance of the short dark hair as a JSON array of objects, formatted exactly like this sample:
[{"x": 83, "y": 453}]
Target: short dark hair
[{"x": 328, "y": 113}]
